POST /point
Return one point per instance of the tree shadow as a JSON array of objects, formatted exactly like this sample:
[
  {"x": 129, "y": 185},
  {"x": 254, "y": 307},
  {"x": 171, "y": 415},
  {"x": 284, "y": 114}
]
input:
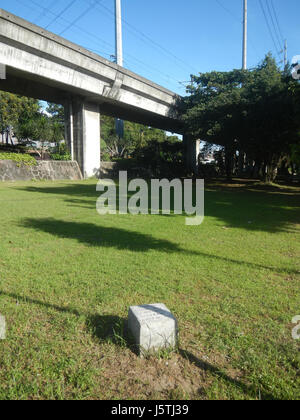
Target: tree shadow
[
  {"x": 101, "y": 236},
  {"x": 26, "y": 299},
  {"x": 122, "y": 239},
  {"x": 79, "y": 189},
  {"x": 207, "y": 367},
  {"x": 254, "y": 210},
  {"x": 85, "y": 195},
  {"x": 105, "y": 328},
  {"x": 242, "y": 204}
]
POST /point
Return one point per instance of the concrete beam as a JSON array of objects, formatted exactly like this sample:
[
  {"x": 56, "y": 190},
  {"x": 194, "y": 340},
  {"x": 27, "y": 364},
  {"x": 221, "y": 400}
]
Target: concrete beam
[{"x": 44, "y": 65}]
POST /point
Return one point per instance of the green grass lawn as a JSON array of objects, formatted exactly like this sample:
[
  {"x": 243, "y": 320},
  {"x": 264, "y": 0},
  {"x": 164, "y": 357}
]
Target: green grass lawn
[{"x": 68, "y": 276}]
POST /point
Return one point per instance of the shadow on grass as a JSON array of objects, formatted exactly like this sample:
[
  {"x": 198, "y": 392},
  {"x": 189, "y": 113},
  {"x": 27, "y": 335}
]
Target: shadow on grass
[
  {"x": 207, "y": 367},
  {"x": 101, "y": 236},
  {"x": 254, "y": 210},
  {"x": 122, "y": 239},
  {"x": 105, "y": 328},
  {"x": 268, "y": 208},
  {"x": 114, "y": 330}
]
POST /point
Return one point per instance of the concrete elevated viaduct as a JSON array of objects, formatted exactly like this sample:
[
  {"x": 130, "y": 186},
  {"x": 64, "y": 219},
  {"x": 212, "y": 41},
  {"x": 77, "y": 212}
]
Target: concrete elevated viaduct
[{"x": 42, "y": 65}]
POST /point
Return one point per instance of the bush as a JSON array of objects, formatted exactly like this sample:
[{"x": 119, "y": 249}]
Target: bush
[
  {"x": 58, "y": 156},
  {"x": 162, "y": 158},
  {"x": 20, "y": 158},
  {"x": 105, "y": 157}
]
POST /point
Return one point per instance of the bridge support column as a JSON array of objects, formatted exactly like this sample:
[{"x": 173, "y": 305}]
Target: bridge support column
[
  {"x": 192, "y": 150},
  {"x": 83, "y": 135}
]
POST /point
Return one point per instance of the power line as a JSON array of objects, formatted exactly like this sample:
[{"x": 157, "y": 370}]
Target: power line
[
  {"x": 228, "y": 11},
  {"x": 97, "y": 38},
  {"x": 274, "y": 26},
  {"x": 167, "y": 77},
  {"x": 145, "y": 37},
  {"x": 90, "y": 34},
  {"x": 61, "y": 13},
  {"x": 268, "y": 25},
  {"x": 42, "y": 14},
  {"x": 131, "y": 59},
  {"x": 280, "y": 34},
  {"x": 277, "y": 21},
  {"x": 238, "y": 20},
  {"x": 79, "y": 17}
]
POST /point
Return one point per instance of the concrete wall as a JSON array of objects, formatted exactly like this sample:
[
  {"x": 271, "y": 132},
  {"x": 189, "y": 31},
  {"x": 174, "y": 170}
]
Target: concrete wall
[{"x": 45, "y": 170}]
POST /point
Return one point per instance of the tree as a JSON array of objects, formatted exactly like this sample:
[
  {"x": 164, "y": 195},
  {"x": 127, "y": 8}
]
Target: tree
[
  {"x": 57, "y": 123},
  {"x": 271, "y": 120},
  {"x": 136, "y": 137},
  {"x": 15, "y": 110},
  {"x": 253, "y": 112},
  {"x": 213, "y": 110},
  {"x": 56, "y": 112}
]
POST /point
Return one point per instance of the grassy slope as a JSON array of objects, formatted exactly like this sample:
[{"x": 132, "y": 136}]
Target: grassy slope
[{"x": 68, "y": 276}]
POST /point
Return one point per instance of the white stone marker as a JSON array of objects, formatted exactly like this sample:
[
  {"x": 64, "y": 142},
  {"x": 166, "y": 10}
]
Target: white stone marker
[
  {"x": 2, "y": 328},
  {"x": 154, "y": 327}
]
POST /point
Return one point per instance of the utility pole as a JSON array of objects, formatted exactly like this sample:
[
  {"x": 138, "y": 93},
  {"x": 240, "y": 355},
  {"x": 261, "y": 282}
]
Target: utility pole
[
  {"x": 245, "y": 34},
  {"x": 119, "y": 43},
  {"x": 285, "y": 54},
  {"x": 119, "y": 57}
]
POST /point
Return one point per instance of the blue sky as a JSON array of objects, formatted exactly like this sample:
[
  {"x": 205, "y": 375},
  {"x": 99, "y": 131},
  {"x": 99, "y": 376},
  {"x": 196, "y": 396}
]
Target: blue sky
[{"x": 167, "y": 40}]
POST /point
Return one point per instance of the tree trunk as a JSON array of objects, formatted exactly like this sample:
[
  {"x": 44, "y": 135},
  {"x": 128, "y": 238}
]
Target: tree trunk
[
  {"x": 228, "y": 162},
  {"x": 271, "y": 170},
  {"x": 241, "y": 163}
]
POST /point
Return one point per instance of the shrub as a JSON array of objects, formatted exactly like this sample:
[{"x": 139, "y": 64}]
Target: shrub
[
  {"x": 19, "y": 158},
  {"x": 105, "y": 157},
  {"x": 162, "y": 158},
  {"x": 58, "y": 156}
]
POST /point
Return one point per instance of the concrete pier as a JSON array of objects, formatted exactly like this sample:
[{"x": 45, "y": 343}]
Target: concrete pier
[{"x": 42, "y": 65}]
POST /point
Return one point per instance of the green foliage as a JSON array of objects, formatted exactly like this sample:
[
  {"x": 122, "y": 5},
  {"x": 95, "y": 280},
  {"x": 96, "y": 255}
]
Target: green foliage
[
  {"x": 254, "y": 111},
  {"x": 163, "y": 158},
  {"x": 105, "y": 157},
  {"x": 15, "y": 111},
  {"x": 136, "y": 138},
  {"x": 295, "y": 153},
  {"x": 57, "y": 112},
  {"x": 60, "y": 152},
  {"x": 19, "y": 158},
  {"x": 22, "y": 117},
  {"x": 41, "y": 128},
  {"x": 57, "y": 156}
]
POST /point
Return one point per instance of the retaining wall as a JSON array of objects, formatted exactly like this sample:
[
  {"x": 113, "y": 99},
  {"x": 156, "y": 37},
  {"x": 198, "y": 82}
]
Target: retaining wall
[{"x": 44, "y": 170}]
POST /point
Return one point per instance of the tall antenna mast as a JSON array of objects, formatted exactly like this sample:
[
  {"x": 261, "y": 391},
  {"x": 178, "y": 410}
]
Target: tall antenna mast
[
  {"x": 119, "y": 58},
  {"x": 245, "y": 34},
  {"x": 119, "y": 43}
]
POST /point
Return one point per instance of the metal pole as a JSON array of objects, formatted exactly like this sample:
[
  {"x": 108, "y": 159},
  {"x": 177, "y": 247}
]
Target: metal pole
[
  {"x": 119, "y": 58},
  {"x": 285, "y": 54},
  {"x": 119, "y": 44},
  {"x": 245, "y": 33}
]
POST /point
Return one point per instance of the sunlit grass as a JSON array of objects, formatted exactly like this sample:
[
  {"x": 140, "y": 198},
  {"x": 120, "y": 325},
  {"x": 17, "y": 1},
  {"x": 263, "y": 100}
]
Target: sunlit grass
[{"x": 68, "y": 276}]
